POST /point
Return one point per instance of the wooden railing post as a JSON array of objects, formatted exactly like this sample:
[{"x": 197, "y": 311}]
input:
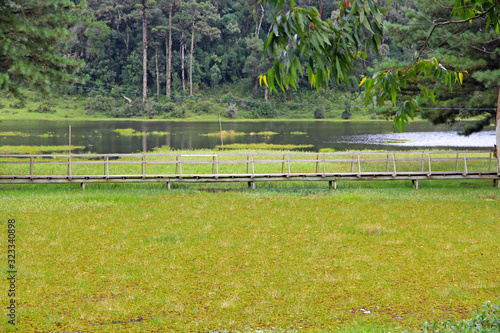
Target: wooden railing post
[
  {"x": 32, "y": 161},
  {"x": 430, "y": 170},
  {"x": 317, "y": 163},
  {"x": 324, "y": 165},
  {"x": 70, "y": 169},
  {"x": 106, "y": 166},
  {"x": 248, "y": 164},
  {"x": 465, "y": 164},
  {"x": 394, "y": 162},
  {"x": 217, "y": 165},
  {"x": 143, "y": 166}
]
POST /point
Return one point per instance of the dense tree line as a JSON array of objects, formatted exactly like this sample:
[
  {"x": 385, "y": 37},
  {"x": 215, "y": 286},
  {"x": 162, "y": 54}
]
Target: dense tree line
[{"x": 195, "y": 47}]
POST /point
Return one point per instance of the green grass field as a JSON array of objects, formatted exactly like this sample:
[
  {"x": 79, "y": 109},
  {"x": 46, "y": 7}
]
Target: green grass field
[{"x": 371, "y": 257}]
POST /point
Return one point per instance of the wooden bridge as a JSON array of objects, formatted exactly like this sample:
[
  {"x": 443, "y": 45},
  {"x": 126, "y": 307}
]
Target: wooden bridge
[{"x": 248, "y": 167}]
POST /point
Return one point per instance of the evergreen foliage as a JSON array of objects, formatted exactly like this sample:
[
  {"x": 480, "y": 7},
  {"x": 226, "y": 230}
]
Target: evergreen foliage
[{"x": 32, "y": 34}]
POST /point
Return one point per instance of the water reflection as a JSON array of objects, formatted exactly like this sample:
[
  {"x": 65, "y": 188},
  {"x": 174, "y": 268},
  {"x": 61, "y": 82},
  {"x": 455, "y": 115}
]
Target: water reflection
[{"x": 99, "y": 136}]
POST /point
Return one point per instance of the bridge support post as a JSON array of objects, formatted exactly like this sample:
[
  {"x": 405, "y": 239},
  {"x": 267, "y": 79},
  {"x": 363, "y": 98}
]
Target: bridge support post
[
  {"x": 496, "y": 183},
  {"x": 168, "y": 185},
  {"x": 414, "y": 183},
  {"x": 83, "y": 185},
  {"x": 332, "y": 184},
  {"x": 251, "y": 185}
]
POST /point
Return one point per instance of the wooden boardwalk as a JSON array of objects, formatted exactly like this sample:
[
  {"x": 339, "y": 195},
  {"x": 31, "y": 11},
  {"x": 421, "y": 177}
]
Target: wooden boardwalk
[{"x": 248, "y": 167}]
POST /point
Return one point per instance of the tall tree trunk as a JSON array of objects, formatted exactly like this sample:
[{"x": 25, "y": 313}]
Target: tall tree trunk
[
  {"x": 169, "y": 50},
  {"x": 259, "y": 25},
  {"x": 183, "y": 47},
  {"x": 191, "y": 59},
  {"x": 144, "y": 55},
  {"x": 157, "y": 72}
]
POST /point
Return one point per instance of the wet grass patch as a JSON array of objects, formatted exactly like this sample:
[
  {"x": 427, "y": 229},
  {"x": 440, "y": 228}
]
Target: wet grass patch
[{"x": 293, "y": 257}]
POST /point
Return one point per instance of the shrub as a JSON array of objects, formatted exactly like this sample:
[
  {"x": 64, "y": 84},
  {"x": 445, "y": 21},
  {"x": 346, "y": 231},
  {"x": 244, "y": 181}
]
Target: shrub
[
  {"x": 319, "y": 113},
  {"x": 100, "y": 104},
  {"x": 44, "y": 108},
  {"x": 485, "y": 321},
  {"x": 18, "y": 105},
  {"x": 231, "y": 110},
  {"x": 347, "y": 114}
]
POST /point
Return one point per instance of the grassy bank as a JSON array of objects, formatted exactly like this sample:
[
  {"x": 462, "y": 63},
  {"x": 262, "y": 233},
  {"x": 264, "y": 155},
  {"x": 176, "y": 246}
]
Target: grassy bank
[
  {"x": 374, "y": 256},
  {"x": 112, "y": 106}
]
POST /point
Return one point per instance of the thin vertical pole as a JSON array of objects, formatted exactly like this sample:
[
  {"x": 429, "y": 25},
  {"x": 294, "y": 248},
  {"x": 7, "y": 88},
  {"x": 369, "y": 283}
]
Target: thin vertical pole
[
  {"x": 317, "y": 162},
  {"x": 220, "y": 126}
]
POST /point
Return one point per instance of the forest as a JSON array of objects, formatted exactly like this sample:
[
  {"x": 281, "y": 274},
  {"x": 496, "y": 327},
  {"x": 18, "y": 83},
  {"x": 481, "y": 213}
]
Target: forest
[{"x": 175, "y": 59}]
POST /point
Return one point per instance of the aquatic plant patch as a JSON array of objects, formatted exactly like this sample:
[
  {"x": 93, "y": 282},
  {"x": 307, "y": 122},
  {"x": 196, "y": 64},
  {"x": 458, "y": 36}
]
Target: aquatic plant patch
[
  {"x": 224, "y": 133},
  {"x": 133, "y": 132},
  {"x": 36, "y": 149},
  {"x": 263, "y": 146}
]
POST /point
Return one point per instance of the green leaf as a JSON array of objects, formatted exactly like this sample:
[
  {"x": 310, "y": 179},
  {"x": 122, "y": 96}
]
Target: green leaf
[
  {"x": 270, "y": 74},
  {"x": 394, "y": 94}
]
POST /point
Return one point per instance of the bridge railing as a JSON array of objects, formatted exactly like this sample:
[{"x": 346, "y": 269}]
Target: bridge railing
[{"x": 289, "y": 164}]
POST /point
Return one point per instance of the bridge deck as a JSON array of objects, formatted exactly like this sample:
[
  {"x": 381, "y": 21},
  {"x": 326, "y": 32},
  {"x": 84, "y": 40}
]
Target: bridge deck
[{"x": 248, "y": 167}]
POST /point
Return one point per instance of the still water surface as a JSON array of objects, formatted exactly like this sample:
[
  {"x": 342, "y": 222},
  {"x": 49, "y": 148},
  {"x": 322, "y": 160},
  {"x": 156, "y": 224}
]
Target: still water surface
[{"x": 100, "y": 137}]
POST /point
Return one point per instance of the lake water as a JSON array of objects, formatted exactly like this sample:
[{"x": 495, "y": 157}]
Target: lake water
[{"x": 100, "y": 137}]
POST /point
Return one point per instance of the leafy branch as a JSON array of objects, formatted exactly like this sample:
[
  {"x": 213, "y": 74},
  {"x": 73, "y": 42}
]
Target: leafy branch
[{"x": 329, "y": 48}]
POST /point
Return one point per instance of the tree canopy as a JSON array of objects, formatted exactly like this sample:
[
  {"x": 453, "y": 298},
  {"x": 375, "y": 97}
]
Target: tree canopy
[
  {"x": 404, "y": 56},
  {"x": 329, "y": 47}
]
